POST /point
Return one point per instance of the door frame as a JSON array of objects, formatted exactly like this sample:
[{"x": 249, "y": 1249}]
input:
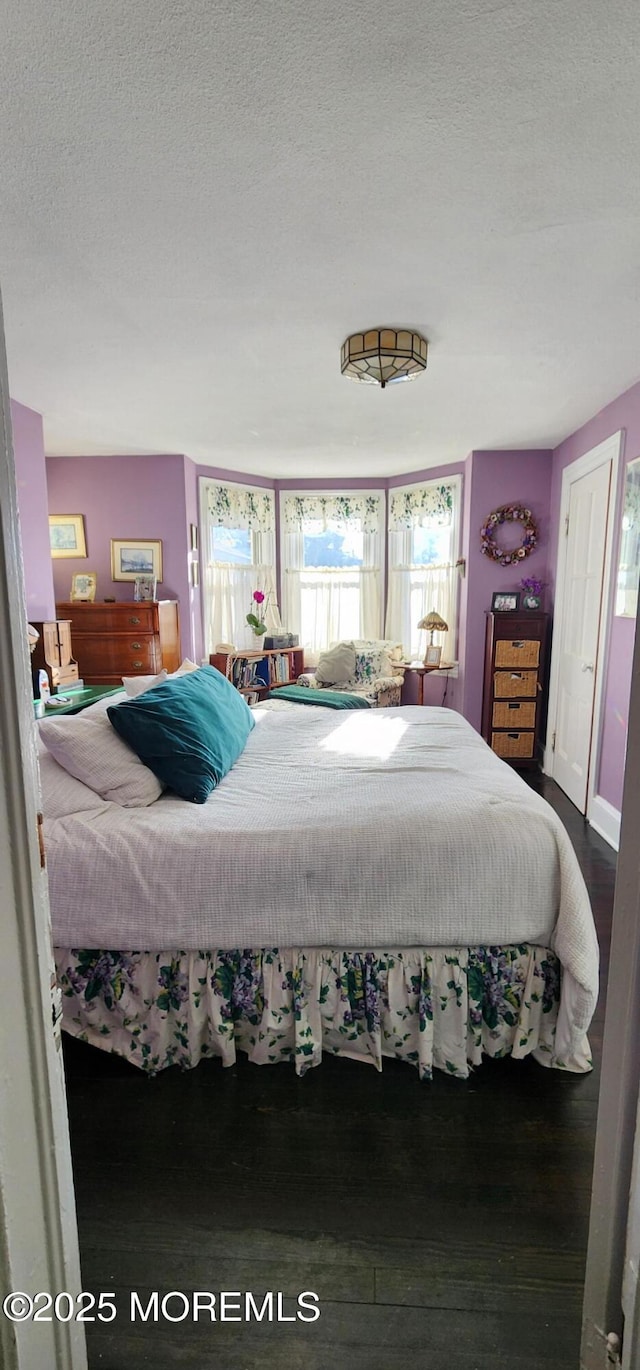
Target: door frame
[
  {"x": 38, "y": 1232},
  {"x": 611, "y": 1300},
  {"x": 608, "y": 451}
]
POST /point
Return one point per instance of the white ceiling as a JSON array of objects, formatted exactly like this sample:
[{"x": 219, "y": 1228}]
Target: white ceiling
[{"x": 199, "y": 199}]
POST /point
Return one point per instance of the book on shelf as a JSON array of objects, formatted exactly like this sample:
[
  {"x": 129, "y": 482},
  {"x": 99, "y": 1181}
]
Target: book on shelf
[{"x": 256, "y": 670}]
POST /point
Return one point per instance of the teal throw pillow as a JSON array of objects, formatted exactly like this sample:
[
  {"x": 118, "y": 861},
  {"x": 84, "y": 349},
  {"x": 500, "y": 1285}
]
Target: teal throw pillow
[{"x": 189, "y": 731}]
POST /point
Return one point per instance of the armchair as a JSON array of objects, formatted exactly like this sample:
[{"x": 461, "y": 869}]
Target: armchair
[{"x": 373, "y": 668}]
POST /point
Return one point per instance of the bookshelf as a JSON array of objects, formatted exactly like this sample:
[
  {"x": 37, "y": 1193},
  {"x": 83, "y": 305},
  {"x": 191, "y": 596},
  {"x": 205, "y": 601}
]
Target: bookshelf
[{"x": 255, "y": 673}]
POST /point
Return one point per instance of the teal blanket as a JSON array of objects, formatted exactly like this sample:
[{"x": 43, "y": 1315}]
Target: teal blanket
[{"x": 330, "y": 699}]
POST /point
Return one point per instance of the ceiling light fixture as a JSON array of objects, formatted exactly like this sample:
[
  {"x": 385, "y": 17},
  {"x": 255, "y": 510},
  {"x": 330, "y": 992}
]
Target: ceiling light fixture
[{"x": 383, "y": 356}]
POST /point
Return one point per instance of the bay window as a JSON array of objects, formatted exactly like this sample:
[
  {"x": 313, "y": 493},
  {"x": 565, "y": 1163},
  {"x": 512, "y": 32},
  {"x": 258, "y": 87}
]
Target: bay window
[
  {"x": 423, "y": 541},
  {"x": 238, "y": 555},
  {"x": 331, "y": 560}
]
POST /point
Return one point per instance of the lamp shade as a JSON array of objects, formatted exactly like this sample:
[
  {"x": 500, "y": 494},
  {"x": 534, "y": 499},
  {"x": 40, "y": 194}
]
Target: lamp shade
[
  {"x": 433, "y": 623},
  {"x": 383, "y": 356}
]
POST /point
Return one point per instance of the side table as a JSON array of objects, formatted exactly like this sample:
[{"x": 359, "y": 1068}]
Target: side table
[
  {"x": 419, "y": 669},
  {"x": 80, "y": 699}
]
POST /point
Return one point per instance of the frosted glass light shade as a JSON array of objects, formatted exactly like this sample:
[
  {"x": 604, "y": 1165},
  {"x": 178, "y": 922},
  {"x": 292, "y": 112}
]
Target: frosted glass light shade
[{"x": 383, "y": 356}]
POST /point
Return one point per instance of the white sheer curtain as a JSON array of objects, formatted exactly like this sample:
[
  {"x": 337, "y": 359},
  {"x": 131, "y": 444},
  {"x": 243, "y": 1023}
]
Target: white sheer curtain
[
  {"x": 323, "y": 604},
  {"x": 228, "y": 586},
  {"x": 414, "y": 589}
]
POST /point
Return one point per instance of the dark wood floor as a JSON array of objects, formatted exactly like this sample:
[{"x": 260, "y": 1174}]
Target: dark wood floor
[{"x": 441, "y": 1225}]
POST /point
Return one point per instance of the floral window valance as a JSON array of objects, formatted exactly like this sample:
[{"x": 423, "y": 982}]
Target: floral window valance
[
  {"x": 421, "y": 506},
  {"x": 298, "y": 509},
  {"x": 232, "y": 506}
]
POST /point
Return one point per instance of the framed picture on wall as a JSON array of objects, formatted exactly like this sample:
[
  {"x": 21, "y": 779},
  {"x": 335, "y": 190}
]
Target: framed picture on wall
[
  {"x": 133, "y": 557},
  {"x": 66, "y": 535},
  {"x": 83, "y": 587}
]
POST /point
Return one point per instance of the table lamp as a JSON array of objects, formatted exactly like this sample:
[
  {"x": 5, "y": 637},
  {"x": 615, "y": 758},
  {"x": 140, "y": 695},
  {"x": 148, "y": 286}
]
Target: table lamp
[{"x": 433, "y": 623}]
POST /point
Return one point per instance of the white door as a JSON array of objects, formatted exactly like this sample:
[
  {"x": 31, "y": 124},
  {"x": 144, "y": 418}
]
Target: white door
[{"x": 581, "y": 619}]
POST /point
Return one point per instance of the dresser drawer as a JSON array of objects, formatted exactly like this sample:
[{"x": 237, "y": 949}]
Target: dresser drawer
[
  {"x": 513, "y": 744},
  {"x": 519, "y": 652},
  {"x": 514, "y": 713},
  {"x": 114, "y": 618},
  {"x": 106, "y": 655},
  {"x": 515, "y": 684}
]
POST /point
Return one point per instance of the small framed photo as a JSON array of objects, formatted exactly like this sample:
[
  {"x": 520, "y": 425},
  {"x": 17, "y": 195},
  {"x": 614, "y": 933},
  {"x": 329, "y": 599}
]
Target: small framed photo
[
  {"x": 83, "y": 587},
  {"x": 132, "y": 557},
  {"x": 144, "y": 588},
  {"x": 194, "y": 537},
  {"x": 530, "y": 601},
  {"x": 432, "y": 656},
  {"x": 66, "y": 535},
  {"x": 505, "y": 601}
]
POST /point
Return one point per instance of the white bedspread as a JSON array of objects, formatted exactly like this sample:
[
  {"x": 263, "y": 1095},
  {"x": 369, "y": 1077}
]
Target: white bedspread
[{"x": 387, "y": 828}]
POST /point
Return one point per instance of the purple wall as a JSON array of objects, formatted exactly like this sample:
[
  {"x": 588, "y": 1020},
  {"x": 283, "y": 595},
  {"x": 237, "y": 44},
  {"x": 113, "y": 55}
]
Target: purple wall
[
  {"x": 623, "y": 413},
  {"x": 31, "y": 481},
  {"x": 495, "y": 478},
  {"x": 125, "y": 497}
]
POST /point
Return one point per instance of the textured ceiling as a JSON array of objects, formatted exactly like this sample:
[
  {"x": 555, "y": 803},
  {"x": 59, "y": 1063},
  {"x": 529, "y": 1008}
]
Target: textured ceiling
[{"x": 199, "y": 199}]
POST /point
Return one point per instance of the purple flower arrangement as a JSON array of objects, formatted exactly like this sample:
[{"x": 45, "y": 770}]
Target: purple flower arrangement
[{"x": 532, "y": 586}]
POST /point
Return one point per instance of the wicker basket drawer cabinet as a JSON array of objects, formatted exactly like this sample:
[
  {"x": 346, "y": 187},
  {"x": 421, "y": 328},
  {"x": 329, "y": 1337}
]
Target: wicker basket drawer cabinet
[
  {"x": 123, "y": 638},
  {"x": 514, "y": 700}
]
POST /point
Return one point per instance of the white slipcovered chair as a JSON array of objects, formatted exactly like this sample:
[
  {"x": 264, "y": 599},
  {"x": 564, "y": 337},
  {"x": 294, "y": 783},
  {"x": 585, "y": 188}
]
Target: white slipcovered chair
[{"x": 372, "y": 668}]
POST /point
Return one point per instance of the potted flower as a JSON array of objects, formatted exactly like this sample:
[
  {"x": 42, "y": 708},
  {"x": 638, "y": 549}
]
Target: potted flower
[
  {"x": 532, "y": 592},
  {"x": 257, "y": 613}
]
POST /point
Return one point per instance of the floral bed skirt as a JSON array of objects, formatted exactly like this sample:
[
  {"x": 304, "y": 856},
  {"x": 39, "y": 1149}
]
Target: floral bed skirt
[{"x": 442, "y": 1008}]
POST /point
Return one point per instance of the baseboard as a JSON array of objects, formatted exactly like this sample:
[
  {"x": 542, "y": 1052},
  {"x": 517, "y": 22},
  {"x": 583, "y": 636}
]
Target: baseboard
[{"x": 605, "y": 819}]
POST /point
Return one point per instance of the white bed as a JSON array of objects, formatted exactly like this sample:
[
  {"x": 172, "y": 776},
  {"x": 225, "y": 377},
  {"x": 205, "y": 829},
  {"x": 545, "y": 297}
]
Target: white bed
[{"x": 340, "y": 845}]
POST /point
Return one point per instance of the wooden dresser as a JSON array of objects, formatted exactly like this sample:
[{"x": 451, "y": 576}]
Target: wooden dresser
[
  {"x": 124, "y": 638},
  {"x": 514, "y": 699}
]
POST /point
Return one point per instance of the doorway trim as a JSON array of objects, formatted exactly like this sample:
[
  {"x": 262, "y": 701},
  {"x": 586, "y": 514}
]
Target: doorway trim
[
  {"x": 38, "y": 1232},
  {"x": 608, "y": 451}
]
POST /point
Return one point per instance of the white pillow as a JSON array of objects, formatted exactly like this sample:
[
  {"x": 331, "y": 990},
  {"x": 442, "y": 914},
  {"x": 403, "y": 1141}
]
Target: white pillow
[
  {"x": 62, "y": 794},
  {"x": 101, "y": 705},
  {"x": 184, "y": 668},
  {"x": 336, "y": 665},
  {"x": 139, "y": 684},
  {"x": 89, "y": 748}
]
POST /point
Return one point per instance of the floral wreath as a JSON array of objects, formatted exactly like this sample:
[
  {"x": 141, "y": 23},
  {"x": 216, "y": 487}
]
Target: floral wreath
[{"x": 508, "y": 513}]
